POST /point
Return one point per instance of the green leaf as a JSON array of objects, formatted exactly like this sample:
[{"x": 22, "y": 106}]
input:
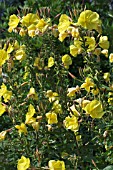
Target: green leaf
[{"x": 110, "y": 167}]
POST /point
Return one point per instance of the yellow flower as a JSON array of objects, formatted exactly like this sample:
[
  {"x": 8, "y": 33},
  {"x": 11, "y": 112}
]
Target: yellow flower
[
  {"x": 52, "y": 95},
  {"x": 2, "y": 109},
  {"x": 3, "y": 56},
  {"x": 74, "y": 50},
  {"x": 13, "y": 22},
  {"x": 71, "y": 123},
  {"x": 3, "y": 89},
  {"x": 111, "y": 58},
  {"x": 103, "y": 42},
  {"x": 50, "y": 61},
  {"x": 89, "y": 20},
  {"x": 32, "y": 94},
  {"x": 88, "y": 84},
  {"x": 42, "y": 25},
  {"x": 110, "y": 100},
  {"x": 39, "y": 62},
  {"x": 66, "y": 59},
  {"x": 84, "y": 103},
  {"x": 94, "y": 109},
  {"x": 105, "y": 52},
  {"x": 23, "y": 163},
  {"x": 95, "y": 91},
  {"x": 29, "y": 115},
  {"x": 90, "y": 43},
  {"x": 57, "y": 108},
  {"x": 2, "y": 135},
  {"x": 56, "y": 165},
  {"x": 64, "y": 23},
  {"x": 72, "y": 91},
  {"x": 106, "y": 76},
  {"x": 21, "y": 128},
  {"x": 62, "y": 36},
  {"x": 7, "y": 95},
  {"x": 22, "y": 32},
  {"x": 30, "y": 19},
  {"x": 10, "y": 48},
  {"x": 52, "y": 118},
  {"x": 31, "y": 30},
  {"x": 73, "y": 109},
  {"x": 73, "y": 31},
  {"x": 20, "y": 54}
]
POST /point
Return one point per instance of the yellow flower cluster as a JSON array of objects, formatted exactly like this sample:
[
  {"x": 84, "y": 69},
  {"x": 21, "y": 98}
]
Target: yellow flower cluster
[
  {"x": 30, "y": 24},
  {"x": 6, "y": 94},
  {"x": 56, "y": 108}
]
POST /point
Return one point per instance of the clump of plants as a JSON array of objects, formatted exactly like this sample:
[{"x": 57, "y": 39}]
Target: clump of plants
[{"x": 56, "y": 93}]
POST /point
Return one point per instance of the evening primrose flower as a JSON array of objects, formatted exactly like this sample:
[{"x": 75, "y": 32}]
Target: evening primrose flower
[
  {"x": 31, "y": 30},
  {"x": 103, "y": 42},
  {"x": 73, "y": 31},
  {"x": 2, "y": 135},
  {"x": 64, "y": 23},
  {"x": 30, "y": 19},
  {"x": 56, "y": 165},
  {"x": 57, "y": 108},
  {"x": 2, "y": 109},
  {"x": 50, "y": 62},
  {"x": 52, "y": 95},
  {"x": 89, "y": 20},
  {"x": 52, "y": 118},
  {"x": 13, "y": 22},
  {"x": 29, "y": 115},
  {"x": 23, "y": 163},
  {"x": 111, "y": 58},
  {"x": 20, "y": 54},
  {"x": 3, "y": 56},
  {"x": 94, "y": 109},
  {"x": 21, "y": 128},
  {"x": 106, "y": 76},
  {"x": 71, "y": 123},
  {"x": 22, "y": 32},
  {"x": 90, "y": 43},
  {"x": 72, "y": 91},
  {"x": 10, "y": 48},
  {"x": 67, "y": 61},
  {"x": 42, "y": 25},
  {"x": 74, "y": 50},
  {"x": 88, "y": 84},
  {"x": 105, "y": 52},
  {"x": 62, "y": 36},
  {"x": 5, "y": 93}
]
